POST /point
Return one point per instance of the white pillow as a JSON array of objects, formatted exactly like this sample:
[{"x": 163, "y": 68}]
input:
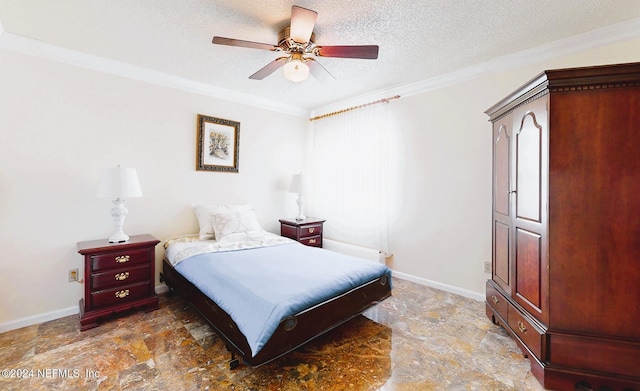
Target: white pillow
[
  {"x": 203, "y": 214},
  {"x": 228, "y": 223}
]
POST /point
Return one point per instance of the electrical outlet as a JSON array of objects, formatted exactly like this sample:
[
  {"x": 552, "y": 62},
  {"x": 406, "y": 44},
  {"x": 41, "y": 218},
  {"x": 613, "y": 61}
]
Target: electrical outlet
[
  {"x": 73, "y": 275},
  {"x": 487, "y": 267}
]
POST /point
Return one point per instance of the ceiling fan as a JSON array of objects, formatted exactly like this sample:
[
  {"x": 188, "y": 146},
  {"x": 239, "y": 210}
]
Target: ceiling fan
[{"x": 298, "y": 43}]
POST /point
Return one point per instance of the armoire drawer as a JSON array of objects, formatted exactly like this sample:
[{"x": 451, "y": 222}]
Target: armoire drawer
[
  {"x": 497, "y": 301},
  {"x": 526, "y": 331}
]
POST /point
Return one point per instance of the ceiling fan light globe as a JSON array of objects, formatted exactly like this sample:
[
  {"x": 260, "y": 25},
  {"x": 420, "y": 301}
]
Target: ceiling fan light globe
[{"x": 296, "y": 71}]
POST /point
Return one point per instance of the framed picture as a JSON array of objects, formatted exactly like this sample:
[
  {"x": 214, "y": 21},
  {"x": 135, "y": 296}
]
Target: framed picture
[{"x": 218, "y": 144}]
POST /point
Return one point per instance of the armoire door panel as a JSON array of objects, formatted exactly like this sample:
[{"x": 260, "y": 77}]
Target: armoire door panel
[
  {"x": 501, "y": 271},
  {"x": 501, "y": 154},
  {"x": 528, "y": 167},
  {"x": 528, "y": 273}
]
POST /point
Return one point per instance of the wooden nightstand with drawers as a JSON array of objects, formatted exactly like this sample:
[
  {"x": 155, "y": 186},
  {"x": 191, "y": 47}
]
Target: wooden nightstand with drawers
[
  {"x": 307, "y": 231},
  {"x": 117, "y": 277}
]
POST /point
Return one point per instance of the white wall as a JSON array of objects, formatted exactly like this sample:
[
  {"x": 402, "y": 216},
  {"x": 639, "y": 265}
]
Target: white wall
[
  {"x": 441, "y": 234},
  {"x": 60, "y": 125}
]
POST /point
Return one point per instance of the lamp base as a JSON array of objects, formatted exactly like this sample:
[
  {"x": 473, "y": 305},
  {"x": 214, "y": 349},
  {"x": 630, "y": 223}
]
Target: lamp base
[
  {"x": 119, "y": 237},
  {"x": 300, "y": 202},
  {"x": 118, "y": 213}
]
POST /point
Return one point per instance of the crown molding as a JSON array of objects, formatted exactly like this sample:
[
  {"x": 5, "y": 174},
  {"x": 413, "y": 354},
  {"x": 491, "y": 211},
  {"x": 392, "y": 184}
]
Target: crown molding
[
  {"x": 604, "y": 36},
  {"x": 20, "y": 44},
  {"x": 592, "y": 39}
]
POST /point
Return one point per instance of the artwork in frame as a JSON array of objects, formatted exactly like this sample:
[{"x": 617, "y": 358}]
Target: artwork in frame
[{"x": 218, "y": 145}]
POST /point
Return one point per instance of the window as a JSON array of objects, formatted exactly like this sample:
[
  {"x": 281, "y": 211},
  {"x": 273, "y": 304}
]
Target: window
[{"x": 353, "y": 166}]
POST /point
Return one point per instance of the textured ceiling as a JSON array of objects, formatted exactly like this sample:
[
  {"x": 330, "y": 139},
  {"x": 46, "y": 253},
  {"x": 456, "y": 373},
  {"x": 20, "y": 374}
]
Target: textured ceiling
[{"x": 418, "y": 39}]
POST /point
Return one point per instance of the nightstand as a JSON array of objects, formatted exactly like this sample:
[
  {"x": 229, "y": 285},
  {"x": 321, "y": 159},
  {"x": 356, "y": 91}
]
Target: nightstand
[
  {"x": 307, "y": 231},
  {"x": 117, "y": 277}
]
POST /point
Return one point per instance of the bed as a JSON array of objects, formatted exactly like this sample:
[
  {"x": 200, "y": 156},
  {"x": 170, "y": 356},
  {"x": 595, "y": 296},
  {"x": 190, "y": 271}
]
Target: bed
[{"x": 267, "y": 295}]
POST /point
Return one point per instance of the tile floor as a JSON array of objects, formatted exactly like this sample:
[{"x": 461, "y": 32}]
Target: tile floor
[{"x": 419, "y": 339}]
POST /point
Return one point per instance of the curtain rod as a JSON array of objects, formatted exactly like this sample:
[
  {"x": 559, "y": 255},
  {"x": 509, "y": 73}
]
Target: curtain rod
[{"x": 385, "y": 100}]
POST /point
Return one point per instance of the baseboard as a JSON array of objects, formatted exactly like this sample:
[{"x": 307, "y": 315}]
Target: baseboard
[
  {"x": 61, "y": 313},
  {"x": 40, "y": 318},
  {"x": 438, "y": 285},
  {"x": 160, "y": 289},
  {"x": 374, "y": 255},
  {"x": 351, "y": 249}
]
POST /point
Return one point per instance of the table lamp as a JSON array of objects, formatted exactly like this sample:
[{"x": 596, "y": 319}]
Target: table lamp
[{"x": 119, "y": 183}]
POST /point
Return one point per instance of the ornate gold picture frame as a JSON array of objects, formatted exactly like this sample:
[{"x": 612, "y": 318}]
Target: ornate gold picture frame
[{"x": 218, "y": 145}]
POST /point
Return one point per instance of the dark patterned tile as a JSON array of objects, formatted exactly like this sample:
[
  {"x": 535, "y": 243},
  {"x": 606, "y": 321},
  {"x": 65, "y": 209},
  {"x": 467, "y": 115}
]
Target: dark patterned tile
[{"x": 419, "y": 339}]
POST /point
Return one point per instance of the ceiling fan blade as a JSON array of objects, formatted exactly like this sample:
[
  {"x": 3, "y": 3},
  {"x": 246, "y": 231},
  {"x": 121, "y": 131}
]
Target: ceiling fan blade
[
  {"x": 244, "y": 44},
  {"x": 302, "y": 23},
  {"x": 362, "y": 51},
  {"x": 269, "y": 68},
  {"x": 318, "y": 71}
]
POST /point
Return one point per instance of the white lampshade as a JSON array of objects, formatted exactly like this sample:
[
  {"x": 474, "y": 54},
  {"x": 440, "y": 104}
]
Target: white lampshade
[
  {"x": 298, "y": 183},
  {"x": 296, "y": 70},
  {"x": 117, "y": 182}
]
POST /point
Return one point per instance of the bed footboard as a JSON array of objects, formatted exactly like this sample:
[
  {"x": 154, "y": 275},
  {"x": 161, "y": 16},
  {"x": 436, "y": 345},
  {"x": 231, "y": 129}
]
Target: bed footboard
[
  {"x": 293, "y": 331},
  {"x": 297, "y": 330}
]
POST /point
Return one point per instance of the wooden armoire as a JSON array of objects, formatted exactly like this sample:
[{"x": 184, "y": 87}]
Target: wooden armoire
[{"x": 566, "y": 225}]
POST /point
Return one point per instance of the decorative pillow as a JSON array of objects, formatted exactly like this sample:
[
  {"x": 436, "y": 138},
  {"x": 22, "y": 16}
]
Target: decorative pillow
[
  {"x": 228, "y": 223},
  {"x": 203, "y": 214}
]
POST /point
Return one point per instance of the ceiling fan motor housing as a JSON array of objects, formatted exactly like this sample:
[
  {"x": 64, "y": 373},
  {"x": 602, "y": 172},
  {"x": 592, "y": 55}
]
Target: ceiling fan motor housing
[{"x": 289, "y": 45}]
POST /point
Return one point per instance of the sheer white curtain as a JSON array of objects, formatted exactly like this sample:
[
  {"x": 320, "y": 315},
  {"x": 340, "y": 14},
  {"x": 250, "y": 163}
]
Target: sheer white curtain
[{"x": 352, "y": 174}]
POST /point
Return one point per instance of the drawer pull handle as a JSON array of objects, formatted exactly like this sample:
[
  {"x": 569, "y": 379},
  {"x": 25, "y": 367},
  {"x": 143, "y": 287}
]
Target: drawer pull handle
[
  {"x": 312, "y": 230},
  {"x": 522, "y": 327},
  {"x": 122, "y": 276},
  {"x": 122, "y": 294},
  {"x": 312, "y": 241},
  {"x": 494, "y": 299},
  {"x": 122, "y": 259}
]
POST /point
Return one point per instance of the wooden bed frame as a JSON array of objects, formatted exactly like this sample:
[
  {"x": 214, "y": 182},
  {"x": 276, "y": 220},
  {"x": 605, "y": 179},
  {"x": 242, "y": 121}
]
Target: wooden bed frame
[{"x": 293, "y": 331}]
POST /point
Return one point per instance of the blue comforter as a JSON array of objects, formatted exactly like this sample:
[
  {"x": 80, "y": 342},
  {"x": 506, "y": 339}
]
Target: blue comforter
[{"x": 259, "y": 287}]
